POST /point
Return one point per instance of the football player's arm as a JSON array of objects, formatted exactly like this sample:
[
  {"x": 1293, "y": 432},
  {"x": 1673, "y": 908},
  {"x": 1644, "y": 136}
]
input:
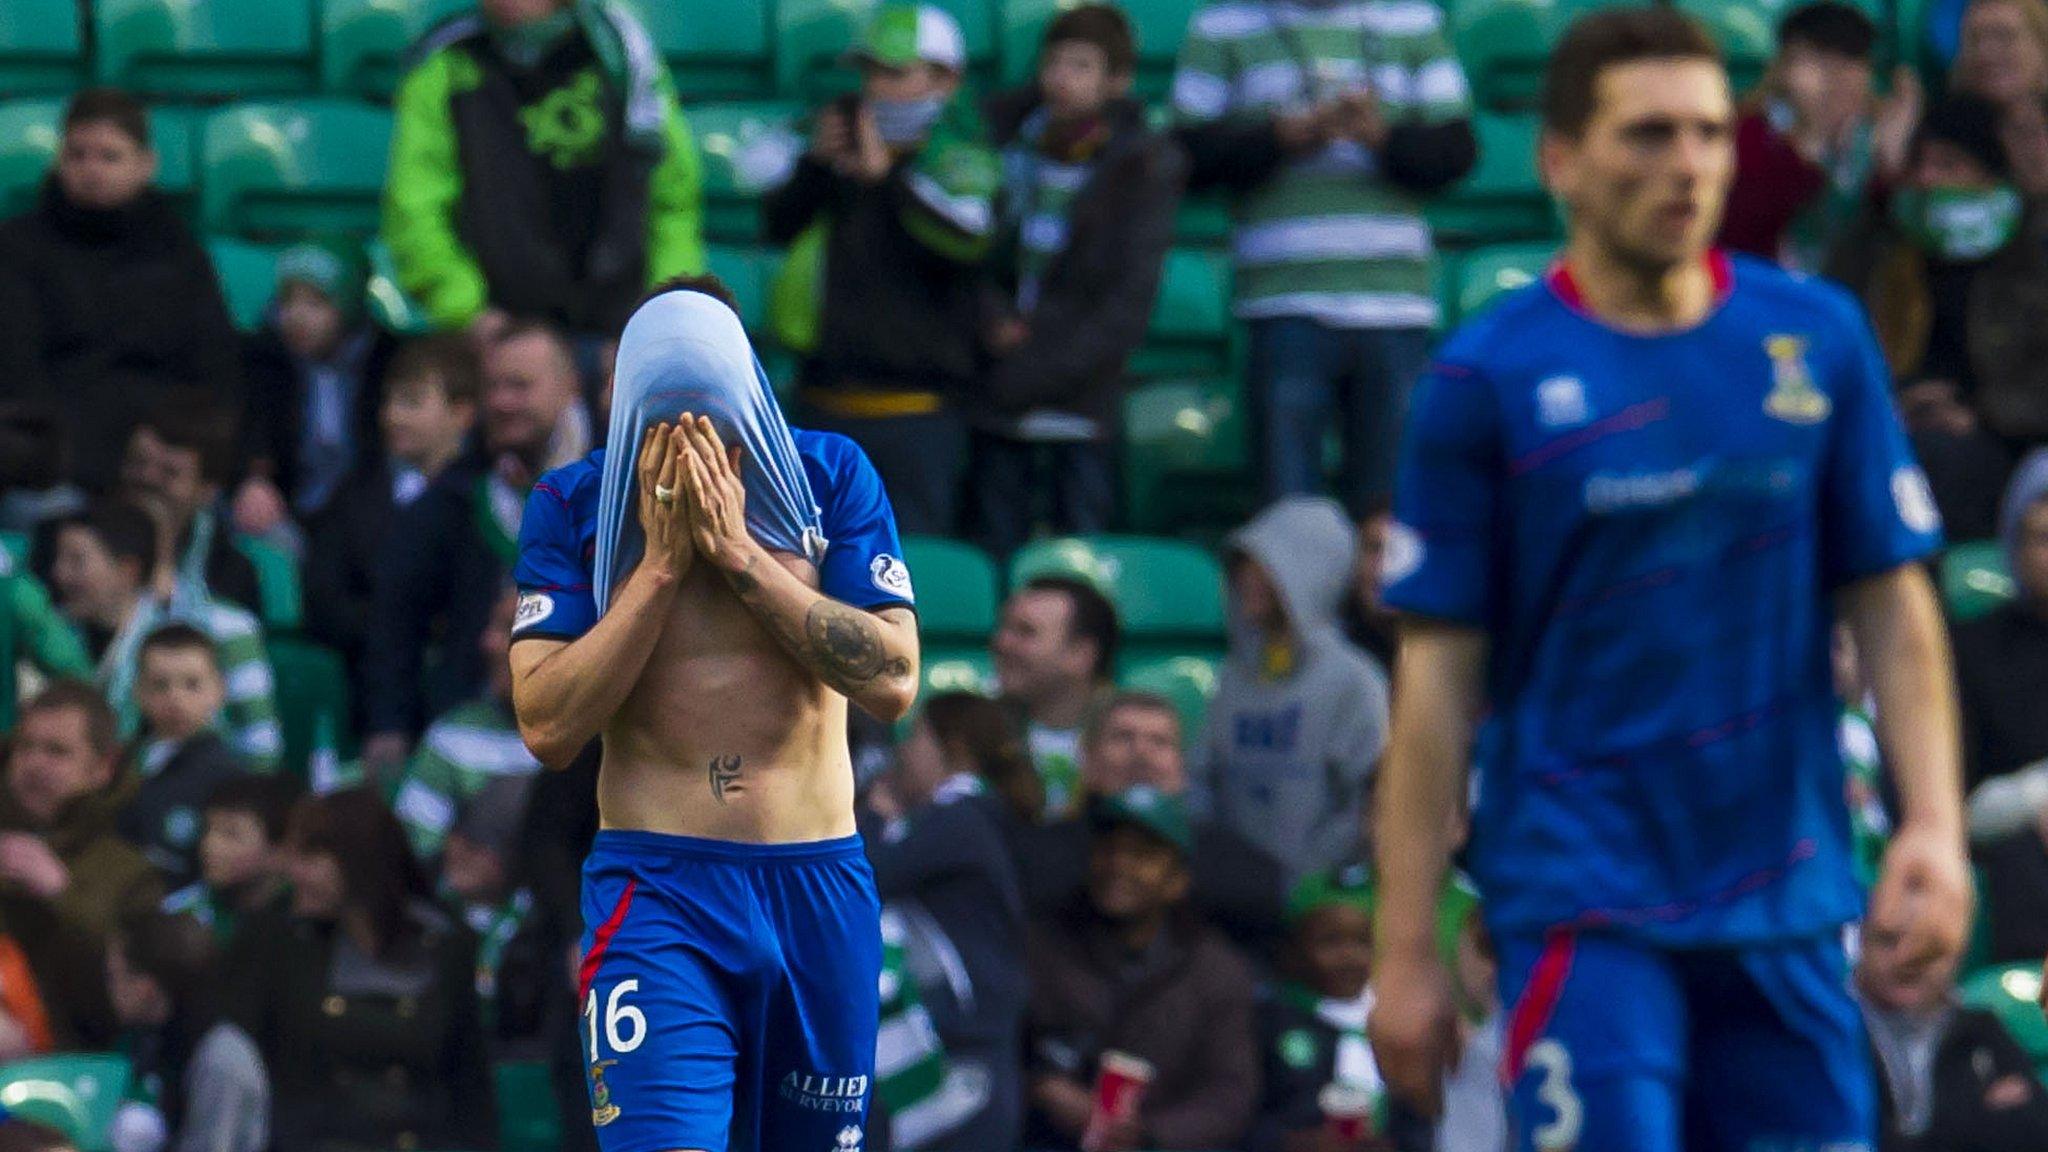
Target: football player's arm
[
  {"x": 564, "y": 689},
  {"x": 1903, "y": 646},
  {"x": 869, "y": 656}
]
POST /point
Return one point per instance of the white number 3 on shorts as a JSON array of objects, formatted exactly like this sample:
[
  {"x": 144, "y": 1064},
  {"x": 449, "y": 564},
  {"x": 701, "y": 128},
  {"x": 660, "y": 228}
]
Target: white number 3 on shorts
[{"x": 1556, "y": 1094}]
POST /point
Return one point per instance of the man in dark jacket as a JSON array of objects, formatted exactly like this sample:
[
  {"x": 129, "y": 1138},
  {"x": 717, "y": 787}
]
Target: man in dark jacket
[
  {"x": 904, "y": 184},
  {"x": 2002, "y": 658},
  {"x": 179, "y": 461},
  {"x": 1327, "y": 123},
  {"x": 1088, "y": 202},
  {"x": 1131, "y": 971},
  {"x": 540, "y": 167},
  {"x": 107, "y": 303}
]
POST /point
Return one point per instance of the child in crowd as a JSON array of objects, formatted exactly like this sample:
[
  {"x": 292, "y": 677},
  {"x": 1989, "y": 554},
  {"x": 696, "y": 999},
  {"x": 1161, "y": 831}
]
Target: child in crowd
[
  {"x": 181, "y": 759},
  {"x": 241, "y": 854}
]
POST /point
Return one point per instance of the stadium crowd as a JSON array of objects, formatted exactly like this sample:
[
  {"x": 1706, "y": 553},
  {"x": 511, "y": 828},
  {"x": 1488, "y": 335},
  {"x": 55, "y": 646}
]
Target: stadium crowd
[{"x": 293, "y": 949}]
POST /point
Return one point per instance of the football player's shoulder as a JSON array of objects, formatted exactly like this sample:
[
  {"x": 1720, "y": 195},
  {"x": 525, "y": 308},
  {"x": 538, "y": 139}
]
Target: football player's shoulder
[
  {"x": 575, "y": 485},
  {"x": 1787, "y": 296},
  {"x": 1505, "y": 326},
  {"x": 839, "y": 470}
]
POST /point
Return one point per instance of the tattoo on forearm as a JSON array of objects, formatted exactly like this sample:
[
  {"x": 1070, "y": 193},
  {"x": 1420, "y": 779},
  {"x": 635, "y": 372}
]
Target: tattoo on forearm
[
  {"x": 846, "y": 646},
  {"x": 725, "y": 777}
]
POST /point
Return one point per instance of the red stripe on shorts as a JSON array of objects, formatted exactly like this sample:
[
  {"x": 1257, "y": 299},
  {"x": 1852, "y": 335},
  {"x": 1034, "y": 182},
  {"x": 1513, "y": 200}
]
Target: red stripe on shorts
[
  {"x": 601, "y": 941},
  {"x": 1538, "y": 1001}
]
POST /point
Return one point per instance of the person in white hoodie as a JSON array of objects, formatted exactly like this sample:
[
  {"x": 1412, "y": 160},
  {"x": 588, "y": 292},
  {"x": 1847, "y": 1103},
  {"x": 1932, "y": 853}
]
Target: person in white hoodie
[{"x": 1300, "y": 715}]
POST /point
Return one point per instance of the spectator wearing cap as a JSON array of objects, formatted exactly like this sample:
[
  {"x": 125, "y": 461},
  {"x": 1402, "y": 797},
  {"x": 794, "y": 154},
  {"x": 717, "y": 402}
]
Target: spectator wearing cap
[
  {"x": 479, "y": 874},
  {"x": 1130, "y": 969},
  {"x": 1087, "y": 217},
  {"x": 1956, "y": 282},
  {"x": 1299, "y": 719},
  {"x": 902, "y": 179},
  {"x": 66, "y": 877},
  {"x": 1055, "y": 658},
  {"x": 312, "y": 381},
  {"x": 468, "y": 748},
  {"x": 540, "y": 167},
  {"x": 2003, "y": 57},
  {"x": 1327, "y": 124},
  {"x": 1135, "y": 739},
  {"x": 108, "y": 305},
  {"x": 935, "y": 831},
  {"x": 1815, "y": 140}
]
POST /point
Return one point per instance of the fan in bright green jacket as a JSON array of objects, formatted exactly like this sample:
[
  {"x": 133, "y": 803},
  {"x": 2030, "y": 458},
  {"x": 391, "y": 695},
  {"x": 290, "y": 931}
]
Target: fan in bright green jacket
[{"x": 542, "y": 170}]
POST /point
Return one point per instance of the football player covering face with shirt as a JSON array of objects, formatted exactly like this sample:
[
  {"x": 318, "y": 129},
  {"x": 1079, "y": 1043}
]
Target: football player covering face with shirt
[
  {"x": 1633, "y": 499},
  {"x": 732, "y": 948}
]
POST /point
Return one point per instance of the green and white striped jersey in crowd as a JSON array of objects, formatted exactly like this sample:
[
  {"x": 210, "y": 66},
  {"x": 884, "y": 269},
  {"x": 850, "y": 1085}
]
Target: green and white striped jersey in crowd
[
  {"x": 248, "y": 719},
  {"x": 910, "y": 1063},
  {"x": 1325, "y": 238},
  {"x": 469, "y": 746}
]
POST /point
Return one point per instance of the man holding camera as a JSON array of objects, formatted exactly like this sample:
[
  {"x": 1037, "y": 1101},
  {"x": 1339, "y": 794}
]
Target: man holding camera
[{"x": 902, "y": 179}]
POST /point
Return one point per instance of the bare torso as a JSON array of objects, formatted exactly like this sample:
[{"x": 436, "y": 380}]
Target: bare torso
[{"x": 725, "y": 736}]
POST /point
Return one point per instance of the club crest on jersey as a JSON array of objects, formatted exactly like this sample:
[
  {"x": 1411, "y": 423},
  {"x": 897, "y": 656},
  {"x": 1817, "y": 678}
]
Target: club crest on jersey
[
  {"x": 1561, "y": 402},
  {"x": 1793, "y": 398},
  {"x": 602, "y": 1110},
  {"x": 890, "y": 575}
]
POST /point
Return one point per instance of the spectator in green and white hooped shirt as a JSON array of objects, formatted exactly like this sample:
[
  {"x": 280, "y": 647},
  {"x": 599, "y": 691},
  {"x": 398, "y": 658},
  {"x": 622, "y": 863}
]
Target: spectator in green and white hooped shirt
[
  {"x": 468, "y": 747},
  {"x": 34, "y": 633},
  {"x": 1327, "y": 121},
  {"x": 1055, "y": 659},
  {"x": 108, "y": 580},
  {"x": 241, "y": 855},
  {"x": 480, "y": 876}
]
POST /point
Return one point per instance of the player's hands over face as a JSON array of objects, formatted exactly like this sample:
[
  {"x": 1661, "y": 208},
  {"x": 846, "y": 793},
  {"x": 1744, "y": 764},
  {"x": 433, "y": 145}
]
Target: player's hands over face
[
  {"x": 1924, "y": 901},
  {"x": 666, "y": 523},
  {"x": 1414, "y": 1027},
  {"x": 717, "y": 498}
]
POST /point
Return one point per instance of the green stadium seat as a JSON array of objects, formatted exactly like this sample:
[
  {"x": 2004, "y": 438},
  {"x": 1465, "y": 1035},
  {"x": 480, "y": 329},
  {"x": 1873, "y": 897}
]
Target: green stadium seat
[
  {"x": 747, "y": 149},
  {"x": 811, "y": 36},
  {"x": 957, "y": 590},
  {"x": 1160, "y": 25},
  {"x": 364, "y": 44},
  {"x": 248, "y": 278},
  {"x": 277, "y": 584},
  {"x": 528, "y": 1118},
  {"x": 1191, "y": 329},
  {"x": 1502, "y": 199},
  {"x": 746, "y": 271},
  {"x": 294, "y": 168},
  {"x": 1974, "y": 579},
  {"x": 389, "y": 304},
  {"x": 42, "y": 46},
  {"x": 175, "y": 132},
  {"x": 76, "y": 1093},
  {"x": 29, "y": 138},
  {"x": 16, "y": 545},
  {"x": 1163, "y": 589},
  {"x": 1485, "y": 273},
  {"x": 1203, "y": 220},
  {"x": 312, "y": 700},
  {"x": 222, "y": 48},
  {"x": 2012, "y": 992},
  {"x": 1183, "y": 440},
  {"x": 1504, "y": 45},
  {"x": 1189, "y": 680},
  {"x": 725, "y": 56}
]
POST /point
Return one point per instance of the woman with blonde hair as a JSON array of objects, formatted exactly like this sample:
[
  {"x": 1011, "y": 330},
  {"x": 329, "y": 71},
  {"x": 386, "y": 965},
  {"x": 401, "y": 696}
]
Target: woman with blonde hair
[{"x": 2003, "y": 57}]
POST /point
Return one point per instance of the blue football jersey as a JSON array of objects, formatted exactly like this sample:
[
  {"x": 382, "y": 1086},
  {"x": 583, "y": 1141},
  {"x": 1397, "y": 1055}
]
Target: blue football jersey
[
  {"x": 862, "y": 566},
  {"x": 1649, "y": 529}
]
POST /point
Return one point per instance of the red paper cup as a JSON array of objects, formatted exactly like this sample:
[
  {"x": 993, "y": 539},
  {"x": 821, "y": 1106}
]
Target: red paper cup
[
  {"x": 1347, "y": 1111},
  {"x": 1120, "y": 1082}
]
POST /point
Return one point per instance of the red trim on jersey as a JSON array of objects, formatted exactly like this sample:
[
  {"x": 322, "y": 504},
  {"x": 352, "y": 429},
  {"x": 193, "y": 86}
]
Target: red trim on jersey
[
  {"x": 601, "y": 940},
  {"x": 1566, "y": 286},
  {"x": 1538, "y": 1002}
]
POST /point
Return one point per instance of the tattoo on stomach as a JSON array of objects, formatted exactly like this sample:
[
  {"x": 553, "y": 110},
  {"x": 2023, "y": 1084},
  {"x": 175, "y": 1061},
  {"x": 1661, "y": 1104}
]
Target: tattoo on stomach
[{"x": 725, "y": 777}]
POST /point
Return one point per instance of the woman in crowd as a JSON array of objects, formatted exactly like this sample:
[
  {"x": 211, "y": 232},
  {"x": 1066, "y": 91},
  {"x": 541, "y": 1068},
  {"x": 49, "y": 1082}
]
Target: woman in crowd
[
  {"x": 363, "y": 999},
  {"x": 2004, "y": 59}
]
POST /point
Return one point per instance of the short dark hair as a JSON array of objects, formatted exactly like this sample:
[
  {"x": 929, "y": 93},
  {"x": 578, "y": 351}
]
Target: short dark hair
[
  {"x": 109, "y": 106},
  {"x": 705, "y": 283},
  {"x": 1102, "y": 25},
  {"x": 173, "y": 949},
  {"x": 122, "y": 528},
  {"x": 268, "y": 798},
  {"x": 1127, "y": 700},
  {"x": 1093, "y": 617},
  {"x": 1829, "y": 26},
  {"x": 202, "y": 427},
  {"x": 180, "y": 637},
  {"x": 380, "y": 877},
  {"x": 102, "y": 730},
  {"x": 1608, "y": 39},
  {"x": 447, "y": 358}
]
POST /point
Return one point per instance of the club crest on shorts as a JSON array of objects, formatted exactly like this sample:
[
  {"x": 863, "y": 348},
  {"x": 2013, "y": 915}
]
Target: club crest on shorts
[
  {"x": 602, "y": 1110},
  {"x": 848, "y": 1140},
  {"x": 1793, "y": 398}
]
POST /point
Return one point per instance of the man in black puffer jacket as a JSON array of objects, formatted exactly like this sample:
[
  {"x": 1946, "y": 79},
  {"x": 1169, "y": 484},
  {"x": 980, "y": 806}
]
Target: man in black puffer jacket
[{"x": 108, "y": 306}]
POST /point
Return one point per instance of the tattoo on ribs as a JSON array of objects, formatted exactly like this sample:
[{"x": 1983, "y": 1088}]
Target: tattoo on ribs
[{"x": 725, "y": 777}]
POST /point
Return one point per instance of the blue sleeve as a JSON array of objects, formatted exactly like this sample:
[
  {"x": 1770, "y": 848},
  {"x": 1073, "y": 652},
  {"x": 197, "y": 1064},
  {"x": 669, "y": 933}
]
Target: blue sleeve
[
  {"x": 1876, "y": 509},
  {"x": 555, "y": 599},
  {"x": 863, "y": 556},
  {"x": 1440, "y": 557}
]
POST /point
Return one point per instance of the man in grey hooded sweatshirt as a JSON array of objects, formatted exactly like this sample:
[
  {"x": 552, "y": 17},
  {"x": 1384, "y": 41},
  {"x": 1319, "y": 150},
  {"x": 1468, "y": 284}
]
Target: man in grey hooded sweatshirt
[{"x": 1300, "y": 714}]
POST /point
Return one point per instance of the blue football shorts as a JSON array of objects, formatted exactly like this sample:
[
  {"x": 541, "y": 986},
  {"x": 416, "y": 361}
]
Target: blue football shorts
[
  {"x": 730, "y": 993},
  {"x": 1616, "y": 1046}
]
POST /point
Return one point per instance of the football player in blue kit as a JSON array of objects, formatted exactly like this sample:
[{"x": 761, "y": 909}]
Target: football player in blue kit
[
  {"x": 710, "y": 611},
  {"x": 1633, "y": 500}
]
